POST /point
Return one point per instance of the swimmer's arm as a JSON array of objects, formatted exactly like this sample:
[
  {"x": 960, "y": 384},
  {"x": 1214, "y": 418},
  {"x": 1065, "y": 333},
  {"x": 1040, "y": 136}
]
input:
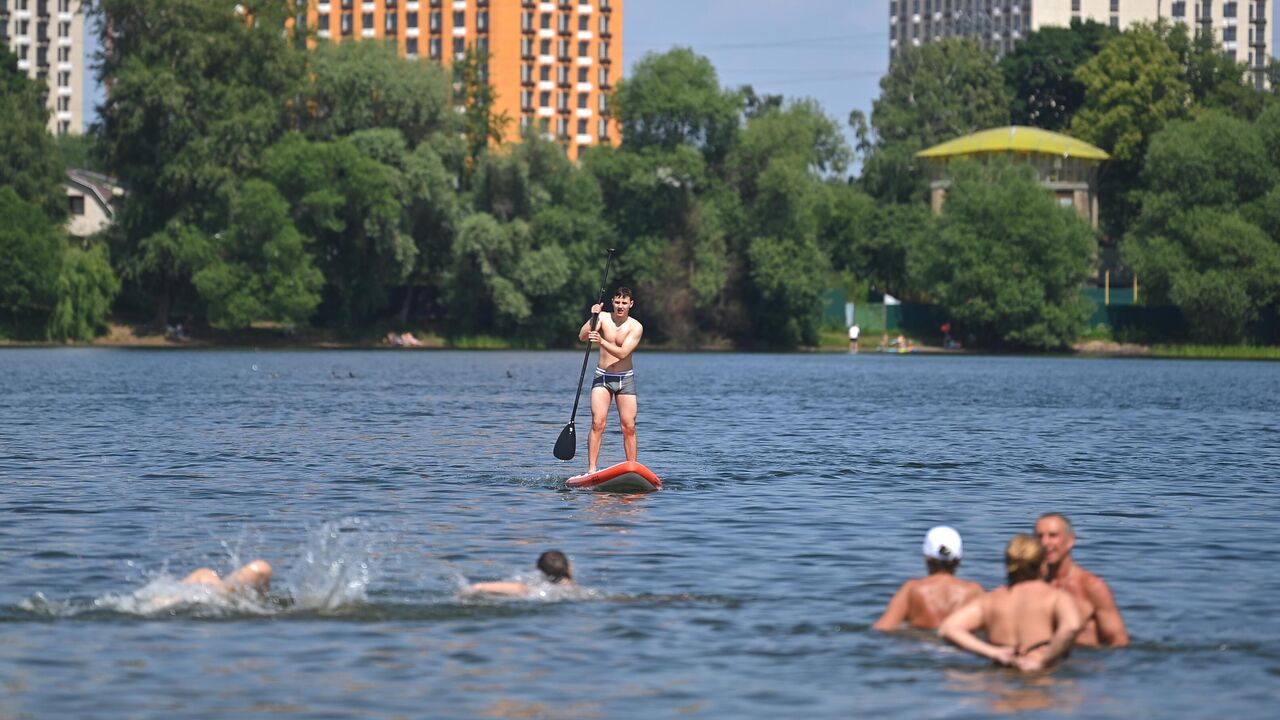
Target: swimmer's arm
[
  {"x": 498, "y": 588},
  {"x": 959, "y": 627},
  {"x": 1111, "y": 630},
  {"x": 1066, "y": 625},
  {"x": 586, "y": 326},
  {"x": 896, "y": 612},
  {"x": 628, "y": 346}
]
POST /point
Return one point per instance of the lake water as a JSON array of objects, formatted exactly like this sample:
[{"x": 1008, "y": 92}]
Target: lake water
[{"x": 798, "y": 488}]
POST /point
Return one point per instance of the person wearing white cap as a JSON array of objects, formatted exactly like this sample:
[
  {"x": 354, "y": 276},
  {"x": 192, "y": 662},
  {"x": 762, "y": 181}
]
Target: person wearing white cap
[{"x": 925, "y": 602}]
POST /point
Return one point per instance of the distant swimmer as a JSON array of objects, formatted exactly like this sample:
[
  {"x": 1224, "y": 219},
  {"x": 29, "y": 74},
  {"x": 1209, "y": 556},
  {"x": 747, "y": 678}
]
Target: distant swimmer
[
  {"x": 1102, "y": 622},
  {"x": 926, "y": 602},
  {"x": 1029, "y": 624},
  {"x": 618, "y": 334},
  {"x": 253, "y": 577},
  {"x": 554, "y": 566}
]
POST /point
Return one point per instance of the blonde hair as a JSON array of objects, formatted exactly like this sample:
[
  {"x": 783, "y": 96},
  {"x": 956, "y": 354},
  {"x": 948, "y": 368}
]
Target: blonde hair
[{"x": 1022, "y": 558}]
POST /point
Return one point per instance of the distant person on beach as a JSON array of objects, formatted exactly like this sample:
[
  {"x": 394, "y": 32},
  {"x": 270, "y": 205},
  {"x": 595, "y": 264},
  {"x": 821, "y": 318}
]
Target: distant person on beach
[
  {"x": 554, "y": 566},
  {"x": 925, "y": 602},
  {"x": 1029, "y": 624},
  {"x": 253, "y": 577},
  {"x": 854, "y": 332},
  {"x": 618, "y": 334},
  {"x": 1102, "y": 622}
]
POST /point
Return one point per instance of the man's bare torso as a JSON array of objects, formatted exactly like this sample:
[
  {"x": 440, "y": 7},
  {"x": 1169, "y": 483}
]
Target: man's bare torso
[
  {"x": 935, "y": 597},
  {"x": 1078, "y": 583},
  {"x": 617, "y": 334}
]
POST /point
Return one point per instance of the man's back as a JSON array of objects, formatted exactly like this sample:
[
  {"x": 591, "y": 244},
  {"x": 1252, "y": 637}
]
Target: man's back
[{"x": 925, "y": 602}]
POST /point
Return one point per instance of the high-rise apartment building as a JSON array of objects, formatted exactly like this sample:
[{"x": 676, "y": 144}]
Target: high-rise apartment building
[
  {"x": 1240, "y": 25},
  {"x": 551, "y": 64},
  {"x": 48, "y": 38}
]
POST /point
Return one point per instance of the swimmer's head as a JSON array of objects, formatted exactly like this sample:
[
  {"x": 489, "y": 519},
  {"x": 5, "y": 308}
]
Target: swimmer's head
[
  {"x": 942, "y": 549},
  {"x": 555, "y": 566},
  {"x": 1022, "y": 559}
]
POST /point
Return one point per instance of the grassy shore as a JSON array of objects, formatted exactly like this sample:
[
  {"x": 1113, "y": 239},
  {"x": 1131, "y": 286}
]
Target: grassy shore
[{"x": 1216, "y": 352}]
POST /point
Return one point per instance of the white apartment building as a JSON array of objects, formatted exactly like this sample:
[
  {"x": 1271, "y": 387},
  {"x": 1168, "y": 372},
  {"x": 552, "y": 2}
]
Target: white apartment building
[
  {"x": 48, "y": 38},
  {"x": 1240, "y": 25}
]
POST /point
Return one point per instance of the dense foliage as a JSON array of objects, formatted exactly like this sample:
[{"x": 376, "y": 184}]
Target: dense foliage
[{"x": 273, "y": 180}]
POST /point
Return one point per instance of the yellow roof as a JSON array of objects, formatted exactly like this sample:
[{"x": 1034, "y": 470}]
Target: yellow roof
[{"x": 1016, "y": 138}]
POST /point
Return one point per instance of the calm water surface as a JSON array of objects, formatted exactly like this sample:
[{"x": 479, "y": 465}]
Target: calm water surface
[{"x": 798, "y": 488}]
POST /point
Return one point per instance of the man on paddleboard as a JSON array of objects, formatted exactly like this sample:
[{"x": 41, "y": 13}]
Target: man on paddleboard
[{"x": 618, "y": 334}]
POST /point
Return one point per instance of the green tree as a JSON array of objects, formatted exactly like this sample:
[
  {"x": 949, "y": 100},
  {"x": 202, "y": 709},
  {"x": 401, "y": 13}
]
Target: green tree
[
  {"x": 347, "y": 203},
  {"x": 29, "y": 161},
  {"x": 1216, "y": 81},
  {"x": 931, "y": 94},
  {"x": 261, "y": 270},
  {"x": 30, "y": 261},
  {"x": 87, "y": 286},
  {"x": 196, "y": 91},
  {"x": 1198, "y": 242},
  {"x": 1040, "y": 72},
  {"x": 1006, "y": 261},
  {"x": 1132, "y": 88},
  {"x": 482, "y": 126},
  {"x": 364, "y": 85},
  {"x": 673, "y": 99}
]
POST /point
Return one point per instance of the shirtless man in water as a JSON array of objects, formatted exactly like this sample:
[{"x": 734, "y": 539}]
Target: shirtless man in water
[
  {"x": 1102, "y": 622},
  {"x": 1029, "y": 624},
  {"x": 254, "y": 576},
  {"x": 618, "y": 334},
  {"x": 925, "y": 602},
  {"x": 554, "y": 566}
]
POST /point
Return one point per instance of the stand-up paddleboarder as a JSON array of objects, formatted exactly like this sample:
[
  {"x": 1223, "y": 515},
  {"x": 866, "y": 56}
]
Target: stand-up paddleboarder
[{"x": 618, "y": 334}]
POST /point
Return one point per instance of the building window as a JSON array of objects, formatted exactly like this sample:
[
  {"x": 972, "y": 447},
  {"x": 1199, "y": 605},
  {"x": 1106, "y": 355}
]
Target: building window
[
  {"x": 64, "y": 103},
  {"x": 1229, "y": 35},
  {"x": 322, "y": 22},
  {"x": 433, "y": 48},
  {"x": 582, "y": 126},
  {"x": 459, "y": 46},
  {"x": 346, "y": 4},
  {"x": 346, "y": 23},
  {"x": 544, "y": 73},
  {"x": 583, "y": 98},
  {"x": 603, "y": 126},
  {"x": 582, "y": 75},
  {"x": 584, "y": 22},
  {"x": 391, "y": 20},
  {"x": 604, "y": 77},
  {"x": 1179, "y": 9},
  {"x": 604, "y": 103},
  {"x": 562, "y": 23},
  {"x": 460, "y": 18},
  {"x": 545, "y": 21},
  {"x": 64, "y": 29},
  {"x": 411, "y": 47},
  {"x": 526, "y": 47},
  {"x": 526, "y": 21},
  {"x": 526, "y": 100},
  {"x": 604, "y": 24},
  {"x": 64, "y": 79},
  {"x": 526, "y": 73},
  {"x": 434, "y": 21},
  {"x": 367, "y": 21},
  {"x": 77, "y": 204},
  {"x": 544, "y": 47},
  {"x": 64, "y": 6},
  {"x": 411, "y": 20},
  {"x": 584, "y": 48},
  {"x": 64, "y": 54},
  {"x": 1115, "y": 6},
  {"x": 1075, "y": 6},
  {"x": 391, "y": 4},
  {"x": 1115, "y": 22},
  {"x": 562, "y": 48},
  {"x": 482, "y": 21},
  {"x": 604, "y": 51},
  {"x": 562, "y": 75},
  {"x": 562, "y": 127},
  {"x": 1229, "y": 10},
  {"x": 544, "y": 99},
  {"x": 562, "y": 101}
]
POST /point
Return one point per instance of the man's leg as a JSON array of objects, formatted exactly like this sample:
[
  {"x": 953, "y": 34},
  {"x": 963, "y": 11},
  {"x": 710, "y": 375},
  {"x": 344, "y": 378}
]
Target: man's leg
[
  {"x": 599, "y": 414},
  {"x": 627, "y": 419}
]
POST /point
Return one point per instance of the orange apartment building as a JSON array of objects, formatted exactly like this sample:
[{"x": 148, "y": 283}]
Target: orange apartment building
[{"x": 551, "y": 64}]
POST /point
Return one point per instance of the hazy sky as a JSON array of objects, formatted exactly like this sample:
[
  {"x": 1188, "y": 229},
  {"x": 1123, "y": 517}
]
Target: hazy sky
[{"x": 834, "y": 51}]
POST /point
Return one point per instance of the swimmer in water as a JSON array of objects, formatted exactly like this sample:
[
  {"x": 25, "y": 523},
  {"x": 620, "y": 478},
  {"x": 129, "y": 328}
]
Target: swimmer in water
[
  {"x": 254, "y": 577},
  {"x": 1030, "y": 624},
  {"x": 925, "y": 602},
  {"x": 554, "y": 566}
]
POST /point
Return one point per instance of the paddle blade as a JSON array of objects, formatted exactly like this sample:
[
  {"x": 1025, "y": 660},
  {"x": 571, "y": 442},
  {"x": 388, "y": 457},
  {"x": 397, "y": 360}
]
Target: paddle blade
[{"x": 567, "y": 443}]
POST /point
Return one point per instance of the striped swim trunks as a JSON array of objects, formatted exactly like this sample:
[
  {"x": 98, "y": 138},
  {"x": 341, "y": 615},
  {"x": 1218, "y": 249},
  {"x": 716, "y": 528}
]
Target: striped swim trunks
[{"x": 623, "y": 383}]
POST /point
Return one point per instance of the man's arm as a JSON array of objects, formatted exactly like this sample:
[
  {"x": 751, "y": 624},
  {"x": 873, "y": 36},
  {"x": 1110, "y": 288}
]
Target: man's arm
[
  {"x": 628, "y": 346},
  {"x": 1066, "y": 625},
  {"x": 499, "y": 588},
  {"x": 959, "y": 627},
  {"x": 585, "y": 332},
  {"x": 896, "y": 612},
  {"x": 1111, "y": 630}
]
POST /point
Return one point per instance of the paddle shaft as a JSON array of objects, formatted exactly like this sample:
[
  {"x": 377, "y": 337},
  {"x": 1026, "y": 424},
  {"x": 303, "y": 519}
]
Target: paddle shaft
[{"x": 595, "y": 318}]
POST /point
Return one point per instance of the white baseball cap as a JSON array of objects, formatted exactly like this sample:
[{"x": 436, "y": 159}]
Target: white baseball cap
[{"x": 942, "y": 542}]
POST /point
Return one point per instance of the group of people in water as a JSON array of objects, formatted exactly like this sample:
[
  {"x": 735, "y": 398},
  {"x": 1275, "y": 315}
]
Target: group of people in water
[{"x": 1048, "y": 605}]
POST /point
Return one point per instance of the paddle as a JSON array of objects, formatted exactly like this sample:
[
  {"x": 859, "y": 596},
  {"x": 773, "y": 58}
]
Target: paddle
[{"x": 567, "y": 443}]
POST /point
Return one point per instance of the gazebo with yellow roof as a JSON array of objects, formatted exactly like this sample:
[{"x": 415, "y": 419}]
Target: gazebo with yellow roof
[{"x": 1066, "y": 166}]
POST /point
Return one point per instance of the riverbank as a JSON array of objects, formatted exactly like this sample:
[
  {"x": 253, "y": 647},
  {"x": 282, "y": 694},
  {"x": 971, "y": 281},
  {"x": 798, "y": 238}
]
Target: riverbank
[{"x": 120, "y": 335}]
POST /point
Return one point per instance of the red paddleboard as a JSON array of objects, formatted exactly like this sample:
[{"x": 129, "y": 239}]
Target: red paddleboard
[{"x": 625, "y": 477}]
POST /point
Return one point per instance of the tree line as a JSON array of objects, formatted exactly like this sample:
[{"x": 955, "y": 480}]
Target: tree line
[{"x": 343, "y": 187}]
